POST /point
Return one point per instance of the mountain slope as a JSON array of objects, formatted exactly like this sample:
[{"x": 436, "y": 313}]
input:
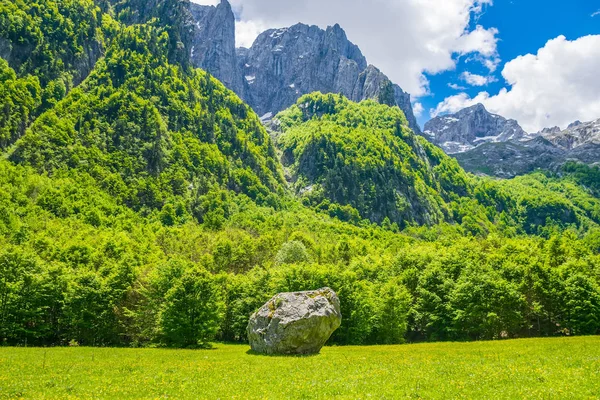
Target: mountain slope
[
  {"x": 471, "y": 127},
  {"x": 549, "y": 151},
  {"x": 365, "y": 156},
  {"x": 47, "y": 47},
  {"x": 577, "y": 135},
  {"x": 284, "y": 64},
  {"x": 150, "y": 131}
]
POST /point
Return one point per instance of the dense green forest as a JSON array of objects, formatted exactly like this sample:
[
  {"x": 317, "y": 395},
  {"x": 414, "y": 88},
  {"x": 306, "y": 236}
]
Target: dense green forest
[{"x": 145, "y": 204}]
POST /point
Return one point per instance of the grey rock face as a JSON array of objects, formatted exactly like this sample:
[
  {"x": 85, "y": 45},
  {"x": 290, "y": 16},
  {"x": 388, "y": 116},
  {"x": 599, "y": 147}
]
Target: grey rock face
[
  {"x": 548, "y": 131},
  {"x": 510, "y": 159},
  {"x": 550, "y": 150},
  {"x": 578, "y": 134},
  {"x": 212, "y": 46},
  {"x": 5, "y": 48},
  {"x": 472, "y": 127},
  {"x": 295, "y": 323},
  {"x": 284, "y": 64}
]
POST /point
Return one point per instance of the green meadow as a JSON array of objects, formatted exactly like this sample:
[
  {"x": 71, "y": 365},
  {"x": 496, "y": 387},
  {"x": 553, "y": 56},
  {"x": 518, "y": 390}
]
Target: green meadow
[{"x": 566, "y": 368}]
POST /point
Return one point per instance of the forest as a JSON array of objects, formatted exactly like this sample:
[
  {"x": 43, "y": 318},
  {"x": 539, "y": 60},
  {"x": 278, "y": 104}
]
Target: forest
[{"x": 144, "y": 204}]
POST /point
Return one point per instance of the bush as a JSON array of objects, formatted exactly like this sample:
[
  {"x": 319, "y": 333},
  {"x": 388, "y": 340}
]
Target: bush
[{"x": 293, "y": 252}]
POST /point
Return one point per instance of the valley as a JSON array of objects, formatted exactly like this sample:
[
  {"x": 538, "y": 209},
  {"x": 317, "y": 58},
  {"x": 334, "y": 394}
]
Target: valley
[{"x": 159, "y": 184}]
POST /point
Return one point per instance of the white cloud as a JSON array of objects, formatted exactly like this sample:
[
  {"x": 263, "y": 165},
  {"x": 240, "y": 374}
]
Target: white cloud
[
  {"x": 247, "y": 31},
  {"x": 404, "y": 38},
  {"x": 456, "y": 86},
  {"x": 476, "y": 80},
  {"x": 418, "y": 109},
  {"x": 555, "y": 87},
  {"x": 596, "y": 13}
]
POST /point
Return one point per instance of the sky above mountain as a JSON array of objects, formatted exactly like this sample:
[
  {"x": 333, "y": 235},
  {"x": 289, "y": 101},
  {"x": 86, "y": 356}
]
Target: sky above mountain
[{"x": 535, "y": 61}]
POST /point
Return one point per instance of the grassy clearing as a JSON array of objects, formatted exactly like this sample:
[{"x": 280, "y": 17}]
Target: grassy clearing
[{"x": 529, "y": 368}]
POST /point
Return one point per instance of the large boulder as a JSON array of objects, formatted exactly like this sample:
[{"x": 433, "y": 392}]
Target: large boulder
[{"x": 295, "y": 323}]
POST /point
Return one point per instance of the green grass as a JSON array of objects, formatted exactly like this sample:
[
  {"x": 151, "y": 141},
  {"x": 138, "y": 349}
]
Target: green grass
[{"x": 529, "y": 368}]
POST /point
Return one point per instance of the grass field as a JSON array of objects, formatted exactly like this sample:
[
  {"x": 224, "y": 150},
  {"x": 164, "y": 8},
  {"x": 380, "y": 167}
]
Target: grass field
[{"x": 563, "y": 368}]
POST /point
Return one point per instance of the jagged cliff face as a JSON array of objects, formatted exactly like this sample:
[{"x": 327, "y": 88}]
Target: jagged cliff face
[
  {"x": 284, "y": 64},
  {"x": 577, "y": 135},
  {"x": 212, "y": 45},
  {"x": 551, "y": 149},
  {"x": 470, "y": 128}
]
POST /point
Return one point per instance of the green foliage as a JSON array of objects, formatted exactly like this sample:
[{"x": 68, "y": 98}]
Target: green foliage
[
  {"x": 293, "y": 252},
  {"x": 364, "y": 155},
  {"x": 154, "y": 135},
  {"x": 48, "y": 47},
  {"x": 19, "y": 99},
  {"x": 588, "y": 176},
  {"x": 147, "y": 206},
  {"x": 191, "y": 310}
]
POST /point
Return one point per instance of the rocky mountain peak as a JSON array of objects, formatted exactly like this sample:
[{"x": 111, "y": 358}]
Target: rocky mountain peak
[
  {"x": 550, "y": 149},
  {"x": 286, "y": 63},
  {"x": 470, "y": 128},
  {"x": 577, "y": 135},
  {"x": 549, "y": 131},
  {"x": 212, "y": 44}
]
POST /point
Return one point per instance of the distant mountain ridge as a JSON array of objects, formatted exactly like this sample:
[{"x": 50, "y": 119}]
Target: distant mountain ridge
[
  {"x": 470, "y": 128},
  {"x": 551, "y": 149},
  {"x": 284, "y": 64}
]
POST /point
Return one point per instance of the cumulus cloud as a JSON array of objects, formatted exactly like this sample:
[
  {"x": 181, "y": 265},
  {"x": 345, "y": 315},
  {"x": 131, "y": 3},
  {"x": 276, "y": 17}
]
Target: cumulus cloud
[
  {"x": 476, "y": 80},
  {"x": 554, "y": 87},
  {"x": 404, "y": 38}
]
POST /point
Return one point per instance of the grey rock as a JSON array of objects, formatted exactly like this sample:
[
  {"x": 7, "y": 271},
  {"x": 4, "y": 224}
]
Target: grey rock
[
  {"x": 578, "y": 134},
  {"x": 548, "y": 131},
  {"x": 212, "y": 43},
  {"x": 510, "y": 159},
  {"x": 5, "y": 48},
  {"x": 295, "y": 323},
  {"x": 92, "y": 52},
  {"x": 470, "y": 128}
]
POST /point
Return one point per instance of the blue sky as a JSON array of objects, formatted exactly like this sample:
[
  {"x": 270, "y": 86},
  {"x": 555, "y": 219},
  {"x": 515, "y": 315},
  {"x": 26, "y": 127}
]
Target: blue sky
[{"x": 524, "y": 26}]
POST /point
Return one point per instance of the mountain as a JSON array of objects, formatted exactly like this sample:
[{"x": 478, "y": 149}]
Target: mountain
[
  {"x": 364, "y": 155},
  {"x": 577, "y": 136},
  {"x": 43, "y": 56},
  {"x": 153, "y": 133},
  {"x": 513, "y": 158},
  {"x": 284, "y": 64},
  {"x": 212, "y": 45},
  {"x": 470, "y": 128},
  {"x": 549, "y": 151}
]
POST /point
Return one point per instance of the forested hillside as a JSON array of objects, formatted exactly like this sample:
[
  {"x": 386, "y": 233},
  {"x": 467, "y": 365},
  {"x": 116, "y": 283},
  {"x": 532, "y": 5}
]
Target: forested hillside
[
  {"x": 152, "y": 134},
  {"x": 364, "y": 155},
  {"x": 148, "y": 206},
  {"x": 49, "y": 47}
]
